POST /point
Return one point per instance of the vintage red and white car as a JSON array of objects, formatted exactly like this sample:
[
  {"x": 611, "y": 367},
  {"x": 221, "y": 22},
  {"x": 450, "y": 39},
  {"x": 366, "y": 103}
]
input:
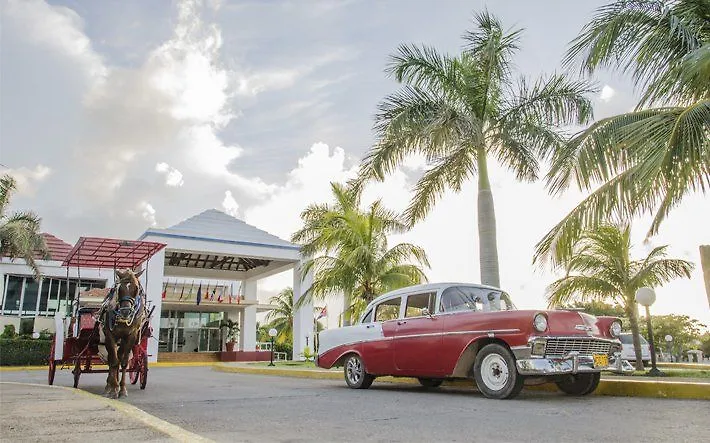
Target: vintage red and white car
[{"x": 444, "y": 331}]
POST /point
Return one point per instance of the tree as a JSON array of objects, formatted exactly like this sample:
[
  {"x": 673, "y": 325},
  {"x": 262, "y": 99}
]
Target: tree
[
  {"x": 599, "y": 308},
  {"x": 684, "y": 330},
  {"x": 20, "y": 235},
  {"x": 457, "y": 111},
  {"x": 350, "y": 254},
  {"x": 281, "y": 317},
  {"x": 649, "y": 159},
  {"x": 601, "y": 269}
]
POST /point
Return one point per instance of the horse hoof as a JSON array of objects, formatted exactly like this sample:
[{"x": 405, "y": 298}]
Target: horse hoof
[{"x": 123, "y": 393}]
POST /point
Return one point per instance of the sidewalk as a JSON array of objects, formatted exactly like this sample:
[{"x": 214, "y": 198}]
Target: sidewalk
[{"x": 31, "y": 413}]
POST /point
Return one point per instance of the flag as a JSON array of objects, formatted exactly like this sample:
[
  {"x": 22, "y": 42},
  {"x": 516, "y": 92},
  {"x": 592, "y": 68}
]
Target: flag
[
  {"x": 212, "y": 294},
  {"x": 231, "y": 290},
  {"x": 182, "y": 291},
  {"x": 165, "y": 289},
  {"x": 199, "y": 294},
  {"x": 323, "y": 312},
  {"x": 220, "y": 299}
]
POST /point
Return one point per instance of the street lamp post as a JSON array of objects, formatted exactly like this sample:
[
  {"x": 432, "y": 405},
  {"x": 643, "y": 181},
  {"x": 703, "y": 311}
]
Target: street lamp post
[
  {"x": 272, "y": 334},
  {"x": 645, "y": 297},
  {"x": 669, "y": 346}
]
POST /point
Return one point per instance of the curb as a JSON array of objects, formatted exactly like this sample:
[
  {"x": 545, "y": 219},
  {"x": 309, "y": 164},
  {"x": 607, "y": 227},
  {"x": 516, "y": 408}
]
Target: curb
[
  {"x": 696, "y": 366},
  {"x": 616, "y": 388},
  {"x": 169, "y": 429},
  {"x": 150, "y": 365}
]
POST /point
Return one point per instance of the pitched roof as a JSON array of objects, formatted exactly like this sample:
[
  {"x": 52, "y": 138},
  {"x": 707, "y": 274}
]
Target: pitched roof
[
  {"x": 58, "y": 248},
  {"x": 216, "y": 225}
]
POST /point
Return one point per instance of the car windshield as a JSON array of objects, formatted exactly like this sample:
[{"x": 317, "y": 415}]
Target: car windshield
[{"x": 473, "y": 298}]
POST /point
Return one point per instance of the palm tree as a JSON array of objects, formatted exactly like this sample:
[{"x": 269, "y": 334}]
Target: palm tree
[
  {"x": 281, "y": 317},
  {"x": 20, "y": 231},
  {"x": 457, "y": 111},
  {"x": 350, "y": 252},
  {"x": 647, "y": 160},
  {"x": 601, "y": 269}
]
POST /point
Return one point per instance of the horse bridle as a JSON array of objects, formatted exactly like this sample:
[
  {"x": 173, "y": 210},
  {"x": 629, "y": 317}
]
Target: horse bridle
[{"x": 127, "y": 314}]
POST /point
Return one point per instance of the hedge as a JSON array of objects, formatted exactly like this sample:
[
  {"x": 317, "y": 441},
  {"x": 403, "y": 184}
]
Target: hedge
[{"x": 21, "y": 352}]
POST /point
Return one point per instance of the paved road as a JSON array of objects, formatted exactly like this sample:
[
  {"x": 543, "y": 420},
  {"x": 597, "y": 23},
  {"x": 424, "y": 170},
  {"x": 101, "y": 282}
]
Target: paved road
[{"x": 236, "y": 407}]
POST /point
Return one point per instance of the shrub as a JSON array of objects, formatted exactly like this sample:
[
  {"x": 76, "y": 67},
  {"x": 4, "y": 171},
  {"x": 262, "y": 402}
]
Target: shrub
[
  {"x": 8, "y": 332},
  {"x": 20, "y": 352},
  {"x": 284, "y": 347}
]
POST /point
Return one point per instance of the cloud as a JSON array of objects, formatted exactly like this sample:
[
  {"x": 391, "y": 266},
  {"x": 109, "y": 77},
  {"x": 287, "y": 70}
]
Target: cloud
[
  {"x": 607, "y": 93},
  {"x": 147, "y": 212},
  {"x": 27, "y": 179},
  {"x": 173, "y": 177},
  {"x": 230, "y": 205}
]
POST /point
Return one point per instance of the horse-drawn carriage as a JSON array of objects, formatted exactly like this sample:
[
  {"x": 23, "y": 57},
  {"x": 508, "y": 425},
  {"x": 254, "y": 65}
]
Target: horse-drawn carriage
[{"x": 117, "y": 330}]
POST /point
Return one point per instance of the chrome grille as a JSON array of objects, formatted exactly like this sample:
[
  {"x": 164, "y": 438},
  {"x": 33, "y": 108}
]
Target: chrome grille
[{"x": 585, "y": 346}]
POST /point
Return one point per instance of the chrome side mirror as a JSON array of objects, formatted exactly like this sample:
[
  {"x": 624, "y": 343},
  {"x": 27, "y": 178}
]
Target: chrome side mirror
[{"x": 426, "y": 312}]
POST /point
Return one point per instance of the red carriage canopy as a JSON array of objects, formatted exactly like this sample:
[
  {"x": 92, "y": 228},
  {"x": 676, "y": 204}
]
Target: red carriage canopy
[{"x": 98, "y": 252}]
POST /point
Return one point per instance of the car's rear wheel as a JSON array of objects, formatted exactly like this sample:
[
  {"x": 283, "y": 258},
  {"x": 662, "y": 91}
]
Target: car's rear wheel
[
  {"x": 495, "y": 372},
  {"x": 355, "y": 375},
  {"x": 580, "y": 384},
  {"x": 430, "y": 382}
]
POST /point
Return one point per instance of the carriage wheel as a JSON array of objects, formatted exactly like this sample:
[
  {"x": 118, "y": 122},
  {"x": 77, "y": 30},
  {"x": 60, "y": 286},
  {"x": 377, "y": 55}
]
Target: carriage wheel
[
  {"x": 134, "y": 369},
  {"x": 144, "y": 372},
  {"x": 77, "y": 372},
  {"x": 52, "y": 366}
]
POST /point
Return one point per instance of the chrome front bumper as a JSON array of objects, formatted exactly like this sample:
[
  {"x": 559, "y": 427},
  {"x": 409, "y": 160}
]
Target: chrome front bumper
[{"x": 573, "y": 363}]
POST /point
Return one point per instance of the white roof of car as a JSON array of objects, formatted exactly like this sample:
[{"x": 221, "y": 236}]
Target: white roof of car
[{"x": 423, "y": 288}]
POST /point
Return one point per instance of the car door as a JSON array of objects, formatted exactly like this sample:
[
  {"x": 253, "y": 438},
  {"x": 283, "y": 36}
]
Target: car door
[
  {"x": 378, "y": 352},
  {"x": 418, "y": 336}
]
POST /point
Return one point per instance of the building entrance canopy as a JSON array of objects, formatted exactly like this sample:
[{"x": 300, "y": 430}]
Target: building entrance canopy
[{"x": 98, "y": 252}]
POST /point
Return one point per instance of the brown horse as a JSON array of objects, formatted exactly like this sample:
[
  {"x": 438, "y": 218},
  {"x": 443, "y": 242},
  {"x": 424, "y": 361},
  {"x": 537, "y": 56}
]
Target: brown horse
[{"x": 122, "y": 316}]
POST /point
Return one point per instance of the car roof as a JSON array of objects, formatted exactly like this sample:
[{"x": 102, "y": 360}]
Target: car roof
[{"x": 424, "y": 287}]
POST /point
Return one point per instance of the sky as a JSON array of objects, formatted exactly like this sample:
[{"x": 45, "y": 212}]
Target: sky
[{"x": 120, "y": 115}]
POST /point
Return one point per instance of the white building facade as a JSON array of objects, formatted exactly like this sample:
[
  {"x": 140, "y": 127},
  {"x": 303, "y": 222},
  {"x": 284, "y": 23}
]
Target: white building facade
[{"x": 207, "y": 272}]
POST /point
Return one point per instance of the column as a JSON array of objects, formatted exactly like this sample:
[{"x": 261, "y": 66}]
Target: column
[
  {"x": 153, "y": 286},
  {"x": 303, "y": 318},
  {"x": 247, "y": 333}
]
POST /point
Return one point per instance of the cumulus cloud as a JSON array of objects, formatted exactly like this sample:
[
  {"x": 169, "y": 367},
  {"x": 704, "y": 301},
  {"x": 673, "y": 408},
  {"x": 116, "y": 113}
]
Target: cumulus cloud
[
  {"x": 230, "y": 205},
  {"x": 173, "y": 177},
  {"x": 147, "y": 212},
  {"x": 607, "y": 93},
  {"x": 27, "y": 179}
]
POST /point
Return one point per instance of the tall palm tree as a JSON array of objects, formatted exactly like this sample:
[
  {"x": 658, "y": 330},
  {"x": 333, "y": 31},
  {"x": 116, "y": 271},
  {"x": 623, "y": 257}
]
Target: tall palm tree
[
  {"x": 457, "y": 111},
  {"x": 20, "y": 235},
  {"x": 350, "y": 252},
  {"x": 649, "y": 159},
  {"x": 281, "y": 317},
  {"x": 601, "y": 269}
]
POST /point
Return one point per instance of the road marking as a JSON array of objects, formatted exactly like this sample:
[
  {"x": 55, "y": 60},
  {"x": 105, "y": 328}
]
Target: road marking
[{"x": 173, "y": 431}]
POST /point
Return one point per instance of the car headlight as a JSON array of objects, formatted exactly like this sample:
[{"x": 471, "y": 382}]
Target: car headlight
[
  {"x": 540, "y": 322},
  {"x": 615, "y": 329}
]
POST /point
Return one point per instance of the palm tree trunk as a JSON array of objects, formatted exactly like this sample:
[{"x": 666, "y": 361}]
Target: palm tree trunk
[
  {"x": 487, "y": 242},
  {"x": 632, "y": 312},
  {"x": 347, "y": 301}
]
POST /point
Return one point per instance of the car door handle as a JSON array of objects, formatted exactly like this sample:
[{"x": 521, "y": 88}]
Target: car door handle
[
  {"x": 369, "y": 326},
  {"x": 402, "y": 322}
]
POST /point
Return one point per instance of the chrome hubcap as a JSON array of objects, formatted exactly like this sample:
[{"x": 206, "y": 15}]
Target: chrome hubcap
[
  {"x": 494, "y": 372},
  {"x": 354, "y": 370}
]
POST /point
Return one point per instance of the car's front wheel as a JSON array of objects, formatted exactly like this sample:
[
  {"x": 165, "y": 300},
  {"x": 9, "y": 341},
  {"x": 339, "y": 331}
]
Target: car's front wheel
[
  {"x": 355, "y": 375},
  {"x": 580, "y": 384},
  {"x": 495, "y": 372}
]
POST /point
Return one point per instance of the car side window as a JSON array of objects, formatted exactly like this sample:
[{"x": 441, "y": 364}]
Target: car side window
[
  {"x": 417, "y": 302},
  {"x": 388, "y": 309},
  {"x": 368, "y": 317},
  {"x": 461, "y": 298}
]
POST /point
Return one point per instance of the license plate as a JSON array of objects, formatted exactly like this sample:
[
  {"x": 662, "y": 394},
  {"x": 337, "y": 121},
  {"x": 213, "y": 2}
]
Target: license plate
[{"x": 601, "y": 360}]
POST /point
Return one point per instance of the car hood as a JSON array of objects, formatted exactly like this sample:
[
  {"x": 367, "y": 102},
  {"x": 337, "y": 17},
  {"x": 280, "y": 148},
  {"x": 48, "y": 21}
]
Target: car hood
[{"x": 561, "y": 322}]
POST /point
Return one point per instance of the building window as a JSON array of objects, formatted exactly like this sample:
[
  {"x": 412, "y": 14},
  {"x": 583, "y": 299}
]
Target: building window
[
  {"x": 29, "y": 298},
  {"x": 13, "y": 294}
]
